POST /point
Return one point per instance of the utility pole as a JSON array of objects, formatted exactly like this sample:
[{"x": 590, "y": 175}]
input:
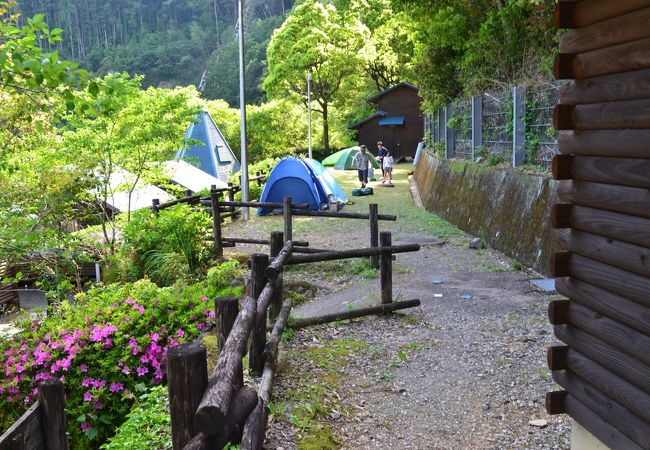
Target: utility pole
[
  {"x": 242, "y": 111},
  {"x": 309, "y": 112}
]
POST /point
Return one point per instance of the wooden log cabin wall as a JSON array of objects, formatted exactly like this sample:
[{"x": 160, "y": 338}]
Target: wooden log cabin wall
[{"x": 603, "y": 221}]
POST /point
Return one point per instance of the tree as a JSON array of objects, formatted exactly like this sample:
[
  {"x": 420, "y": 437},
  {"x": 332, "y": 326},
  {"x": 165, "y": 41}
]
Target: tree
[
  {"x": 122, "y": 129},
  {"x": 317, "y": 39},
  {"x": 464, "y": 46}
]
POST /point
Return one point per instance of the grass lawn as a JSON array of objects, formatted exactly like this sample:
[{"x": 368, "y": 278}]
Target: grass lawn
[{"x": 396, "y": 200}]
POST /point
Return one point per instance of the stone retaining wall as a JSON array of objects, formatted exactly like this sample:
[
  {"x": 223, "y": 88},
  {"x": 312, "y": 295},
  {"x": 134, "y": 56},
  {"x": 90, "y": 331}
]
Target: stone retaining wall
[{"x": 508, "y": 209}]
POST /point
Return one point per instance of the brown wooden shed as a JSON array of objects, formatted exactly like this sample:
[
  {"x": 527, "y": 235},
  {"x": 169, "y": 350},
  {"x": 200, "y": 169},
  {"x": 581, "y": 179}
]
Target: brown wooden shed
[
  {"x": 398, "y": 122},
  {"x": 603, "y": 221}
]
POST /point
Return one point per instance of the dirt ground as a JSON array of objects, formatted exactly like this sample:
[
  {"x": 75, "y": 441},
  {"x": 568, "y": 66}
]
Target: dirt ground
[{"x": 465, "y": 370}]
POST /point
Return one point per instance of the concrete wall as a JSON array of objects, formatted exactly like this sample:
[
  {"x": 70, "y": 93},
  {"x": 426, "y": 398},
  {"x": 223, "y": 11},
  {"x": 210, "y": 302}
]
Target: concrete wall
[{"x": 508, "y": 209}]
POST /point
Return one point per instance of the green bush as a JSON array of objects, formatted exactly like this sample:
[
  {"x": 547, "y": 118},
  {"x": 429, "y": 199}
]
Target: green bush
[
  {"x": 255, "y": 190},
  {"x": 107, "y": 346},
  {"x": 166, "y": 246},
  {"x": 147, "y": 426}
]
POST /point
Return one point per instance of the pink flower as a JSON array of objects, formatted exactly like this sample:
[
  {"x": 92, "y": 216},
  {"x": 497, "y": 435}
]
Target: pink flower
[
  {"x": 87, "y": 382},
  {"x": 98, "y": 333},
  {"x": 126, "y": 370},
  {"x": 142, "y": 370},
  {"x": 204, "y": 298},
  {"x": 129, "y": 301},
  {"x": 180, "y": 333},
  {"x": 85, "y": 427},
  {"x": 98, "y": 405},
  {"x": 155, "y": 337},
  {"x": 83, "y": 368},
  {"x": 88, "y": 396},
  {"x": 116, "y": 387},
  {"x": 201, "y": 326}
]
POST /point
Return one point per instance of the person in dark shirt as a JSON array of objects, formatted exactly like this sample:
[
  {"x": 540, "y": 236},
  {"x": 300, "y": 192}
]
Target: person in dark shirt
[{"x": 381, "y": 152}]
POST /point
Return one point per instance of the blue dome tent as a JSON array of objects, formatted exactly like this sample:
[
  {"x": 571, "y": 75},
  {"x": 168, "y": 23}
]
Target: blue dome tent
[{"x": 305, "y": 181}]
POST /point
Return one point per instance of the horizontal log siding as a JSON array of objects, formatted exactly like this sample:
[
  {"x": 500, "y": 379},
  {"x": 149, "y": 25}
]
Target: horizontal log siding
[{"x": 603, "y": 221}]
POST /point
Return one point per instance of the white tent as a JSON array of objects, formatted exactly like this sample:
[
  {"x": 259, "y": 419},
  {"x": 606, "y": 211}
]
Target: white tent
[
  {"x": 190, "y": 177},
  {"x": 141, "y": 197}
]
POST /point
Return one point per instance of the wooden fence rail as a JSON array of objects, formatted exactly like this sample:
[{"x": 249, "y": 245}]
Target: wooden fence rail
[{"x": 210, "y": 412}]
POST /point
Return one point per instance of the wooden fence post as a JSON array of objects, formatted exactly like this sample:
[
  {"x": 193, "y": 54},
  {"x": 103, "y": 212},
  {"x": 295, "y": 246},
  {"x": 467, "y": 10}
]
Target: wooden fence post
[
  {"x": 518, "y": 126},
  {"x": 277, "y": 242},
  {"x": 374, "y": 232},
  {"x": 216, "y": 223},
  {"x": 188, "y": 192},
  {"x": 154, "y": 205},
  {"x": 287, "y": 219},
  {"x": 187, "y": 378},
  {"x": 231, "y": 196},
  {"x": 259, "y": 263},
  {"x": 226, "y": 309},
  {"x": 51, "y": 397},
  {"x": 386, "y": 270}
]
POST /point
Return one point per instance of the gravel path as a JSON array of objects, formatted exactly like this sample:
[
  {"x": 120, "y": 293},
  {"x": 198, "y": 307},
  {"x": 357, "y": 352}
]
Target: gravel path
[{"x": 465, "y": 370}]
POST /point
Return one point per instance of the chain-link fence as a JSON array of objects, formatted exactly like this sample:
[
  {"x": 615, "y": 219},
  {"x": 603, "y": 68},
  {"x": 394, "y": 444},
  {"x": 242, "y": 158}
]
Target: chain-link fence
[
  {"x": 511, "y": 125},
  {"x": 497, "y": 124},
  {"x": 461, "y": 122},
  {"x": 541, "y": 137}
]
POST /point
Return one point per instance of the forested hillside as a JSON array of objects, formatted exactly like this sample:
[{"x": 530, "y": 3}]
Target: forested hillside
[{"x": 170, "y": 42}]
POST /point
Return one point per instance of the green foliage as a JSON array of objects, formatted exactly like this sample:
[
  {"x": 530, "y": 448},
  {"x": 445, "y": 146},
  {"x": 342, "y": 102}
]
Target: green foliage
[
  {"x": 255, "y": 190},
  {"x": 109, "y": 346},
  {"x": 463, "y": 47},
  {"x": 169, "y": 42},
  {"x": 147, "y": 425},
  {"x": 325, "y": 42},
  {"x": 493, "y": 159},
  {"x": 166, "y": 246}
]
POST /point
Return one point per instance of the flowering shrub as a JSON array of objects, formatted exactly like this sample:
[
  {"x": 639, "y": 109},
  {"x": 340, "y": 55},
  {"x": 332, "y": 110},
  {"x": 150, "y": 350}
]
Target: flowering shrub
[{"x": 110, "y": 343}]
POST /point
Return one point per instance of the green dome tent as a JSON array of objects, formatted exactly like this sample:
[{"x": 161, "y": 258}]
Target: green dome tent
[{"x": 342, "y": 160}]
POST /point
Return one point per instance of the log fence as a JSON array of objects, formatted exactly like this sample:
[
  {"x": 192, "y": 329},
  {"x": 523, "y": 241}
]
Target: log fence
[
  {"x": 43, "y": 426},
  {"x": 209, "y": 412}
]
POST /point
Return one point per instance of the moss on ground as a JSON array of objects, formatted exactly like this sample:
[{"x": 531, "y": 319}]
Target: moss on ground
[{"x": 314, "y": 375}]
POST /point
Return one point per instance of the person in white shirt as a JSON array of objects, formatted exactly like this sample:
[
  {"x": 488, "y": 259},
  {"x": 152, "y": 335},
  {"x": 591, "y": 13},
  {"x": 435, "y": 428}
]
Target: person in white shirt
[
  {"x": 387, "y": 163},
  {"x": 361, "y": 161}
]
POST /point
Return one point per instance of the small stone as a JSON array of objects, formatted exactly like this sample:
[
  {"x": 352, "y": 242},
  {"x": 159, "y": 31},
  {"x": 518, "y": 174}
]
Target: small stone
[
  {"x": 335, "y": 415},
  {"x": 476, "y": 244},
  {"x": 479, "y": 160},
  {"x": 486, "y": 406},
  {"x": 539, "y": 423}
]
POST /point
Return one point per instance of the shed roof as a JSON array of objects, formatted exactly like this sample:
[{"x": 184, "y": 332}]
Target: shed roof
[
  {"x": 391, "y": 121},
  {"x": 379, "y": 113},
  {"x": 375, "y": 98}
]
